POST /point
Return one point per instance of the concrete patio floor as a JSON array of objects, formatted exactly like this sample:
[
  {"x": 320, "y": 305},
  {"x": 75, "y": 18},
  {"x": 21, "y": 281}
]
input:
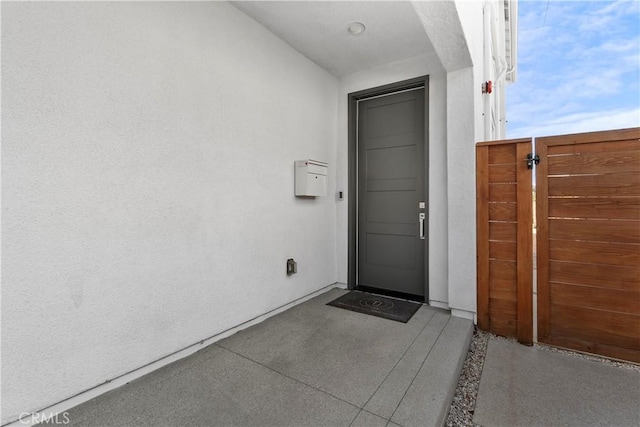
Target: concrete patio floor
[
  {"x": 311, "y": 365},
  {"x": 530, "y": 386}
]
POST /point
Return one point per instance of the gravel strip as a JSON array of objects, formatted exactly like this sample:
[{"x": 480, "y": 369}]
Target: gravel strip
[
  {"x": 572, "y": 353},
  {"x": 611, "y": 362},
  {"x": 464, "y": 400}
]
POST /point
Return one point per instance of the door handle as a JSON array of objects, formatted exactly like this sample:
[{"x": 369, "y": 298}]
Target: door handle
[{"x": 421, "y": 217}]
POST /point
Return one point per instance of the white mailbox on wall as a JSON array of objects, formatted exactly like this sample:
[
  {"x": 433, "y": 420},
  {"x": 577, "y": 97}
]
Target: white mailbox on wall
[{"x": 311, "y": 178}]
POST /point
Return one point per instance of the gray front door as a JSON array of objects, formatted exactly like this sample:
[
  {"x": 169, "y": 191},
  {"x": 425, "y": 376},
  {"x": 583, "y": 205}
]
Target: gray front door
[{"x": 391, "y": 185}]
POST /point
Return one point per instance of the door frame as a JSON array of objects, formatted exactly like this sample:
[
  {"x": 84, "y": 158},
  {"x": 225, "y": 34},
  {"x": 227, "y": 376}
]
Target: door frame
[{"x": 352, "y": 188}]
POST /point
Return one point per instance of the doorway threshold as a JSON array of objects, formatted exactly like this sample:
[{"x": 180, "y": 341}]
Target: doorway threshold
[{"x": 392, "y": 294}]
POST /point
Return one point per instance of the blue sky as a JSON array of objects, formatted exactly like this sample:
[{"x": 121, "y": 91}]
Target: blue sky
[{"x": 578, "y": 68}]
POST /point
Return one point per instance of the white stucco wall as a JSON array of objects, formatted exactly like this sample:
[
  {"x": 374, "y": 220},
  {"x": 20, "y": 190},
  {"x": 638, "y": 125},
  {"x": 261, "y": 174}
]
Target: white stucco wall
[
  {"x": 471, "y": 14},
  {"x": 461, "y": 192},
  {"x": 466, "y": 127},
  {"x": 391, "y": 73},
  {"x": 147, "y": 193}
]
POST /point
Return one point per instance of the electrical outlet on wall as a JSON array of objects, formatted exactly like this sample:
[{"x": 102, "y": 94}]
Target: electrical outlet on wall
[{"x": 292, "y": 267}]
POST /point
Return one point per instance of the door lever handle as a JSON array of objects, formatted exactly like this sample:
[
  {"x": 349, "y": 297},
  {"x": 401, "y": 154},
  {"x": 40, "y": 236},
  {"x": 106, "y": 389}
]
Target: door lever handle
[{"x": 421, "y": 217}]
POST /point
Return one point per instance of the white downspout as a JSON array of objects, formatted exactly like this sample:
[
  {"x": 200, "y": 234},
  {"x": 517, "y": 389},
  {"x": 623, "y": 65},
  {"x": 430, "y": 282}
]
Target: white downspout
[
  {"x": 501, "y": 69},
  {"x": 487, "y": 44}
]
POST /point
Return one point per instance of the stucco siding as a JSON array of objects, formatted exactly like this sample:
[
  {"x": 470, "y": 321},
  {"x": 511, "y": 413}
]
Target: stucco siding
[{"x": 147, "y": 192}]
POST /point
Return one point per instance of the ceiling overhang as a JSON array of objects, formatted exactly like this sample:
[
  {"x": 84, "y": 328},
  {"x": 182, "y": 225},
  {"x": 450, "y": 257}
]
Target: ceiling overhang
[{"x": 394, "y": 31}]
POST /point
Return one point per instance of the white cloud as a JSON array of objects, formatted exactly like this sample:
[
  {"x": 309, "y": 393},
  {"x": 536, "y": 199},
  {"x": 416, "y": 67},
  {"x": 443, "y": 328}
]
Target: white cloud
[
  {"x": 604, "y": 18},
  {"x": 581, "y": 122},
  {"x": 576, "y": 73},
  {"x": 619, "y": 45}
]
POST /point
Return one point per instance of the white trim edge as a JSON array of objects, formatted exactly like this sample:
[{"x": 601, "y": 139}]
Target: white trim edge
[
  {"x": 463, "y": 313},
  {"x": 439, "y": 304}
]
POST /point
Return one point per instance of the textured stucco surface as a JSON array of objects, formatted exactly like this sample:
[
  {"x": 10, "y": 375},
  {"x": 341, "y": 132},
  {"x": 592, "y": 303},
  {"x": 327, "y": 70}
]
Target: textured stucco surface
[
  {"x": 442, "y": 24},
  {"x": 465, "y": 127},
  {"x": 461, "y": 190},
  {"x": 147, "y": 163}
]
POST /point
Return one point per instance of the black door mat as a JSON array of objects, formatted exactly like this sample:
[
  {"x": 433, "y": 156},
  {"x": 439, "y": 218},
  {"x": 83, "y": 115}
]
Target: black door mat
[{"x": 387, "y": 308}]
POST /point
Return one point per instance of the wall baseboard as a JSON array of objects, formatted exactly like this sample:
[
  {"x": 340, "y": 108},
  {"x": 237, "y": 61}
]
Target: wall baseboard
[
  {"x": 465, "y": 314},
  {"x": 439, "y": 304},
  {"x": 50, "y": 412}
]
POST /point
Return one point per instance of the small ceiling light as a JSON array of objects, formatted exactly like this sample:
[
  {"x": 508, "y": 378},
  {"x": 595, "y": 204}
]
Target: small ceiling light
[{"x": 356, "y": 28}]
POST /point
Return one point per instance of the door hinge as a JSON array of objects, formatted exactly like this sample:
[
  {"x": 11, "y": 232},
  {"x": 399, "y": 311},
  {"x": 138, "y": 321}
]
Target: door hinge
[{"x": 531, "y": 159}]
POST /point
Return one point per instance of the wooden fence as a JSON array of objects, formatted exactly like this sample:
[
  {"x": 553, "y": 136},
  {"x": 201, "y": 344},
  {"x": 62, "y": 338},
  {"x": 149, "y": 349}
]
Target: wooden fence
[
  {"x": 588, "y": 241},
  {"x": 588, "y": 208},
  {"x": 504, "y": 241}
]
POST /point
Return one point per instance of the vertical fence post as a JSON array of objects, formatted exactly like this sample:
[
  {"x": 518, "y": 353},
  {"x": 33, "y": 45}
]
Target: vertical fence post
[
  {"x": 524, "y": 245},
  {"x": 482, "y": 224},
  {"x": 542, "y": 241}
]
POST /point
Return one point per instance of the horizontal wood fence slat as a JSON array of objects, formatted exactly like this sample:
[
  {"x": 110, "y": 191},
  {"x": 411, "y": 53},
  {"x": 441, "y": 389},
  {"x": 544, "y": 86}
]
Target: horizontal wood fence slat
[
  {"x": 595, "y": 208},
  {"x": 595, "y": 252},
  {"x": 505, "y": 173},
  {"x": 504, "y": 231},
  {"x": 603, "y": 276},
  {"x": 598, "y": 230},
  {"x": 599, "y": 162},
  {"x": 503, "y": 250},
  {"x": 614, "y": 300},
  {"x": 622, "y": 184},
  {"x": 503, "y": 269},
  {"x": 566, "y": 146},
  {"x": 503, "y": 192},
  {"x": 506, "y": 211},
  {"x": 606, "y": 327}
]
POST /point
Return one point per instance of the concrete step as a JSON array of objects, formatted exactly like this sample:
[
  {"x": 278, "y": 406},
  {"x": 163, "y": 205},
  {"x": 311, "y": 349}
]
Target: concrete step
[{"x": 427, "y": 401}]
